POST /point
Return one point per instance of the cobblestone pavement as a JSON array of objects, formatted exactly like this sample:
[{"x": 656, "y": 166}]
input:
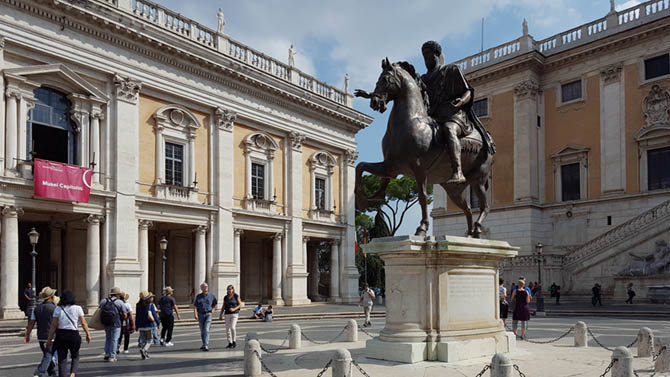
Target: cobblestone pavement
[{"x": 556, "y": 359}]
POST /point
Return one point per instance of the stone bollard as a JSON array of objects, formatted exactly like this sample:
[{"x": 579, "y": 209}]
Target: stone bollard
[
  {"x": 341, "y": 363},
  {"x": 294, "y": 339},
  {"x": 251, "y": 335},
  {"x": 252, "y": 363},
  {"x": 645, "y": 342},
  {"x": 662, "y": 363},
  {"x": 501, "y": 366},
  {"x": 352, "y": 331},
  {"x": 581, "y": 339},
  {"x": 624, "y": 362}
]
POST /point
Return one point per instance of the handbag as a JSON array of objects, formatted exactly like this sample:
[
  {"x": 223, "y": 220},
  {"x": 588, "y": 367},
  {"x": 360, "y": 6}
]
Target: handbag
[{"x": 96, "y": 322}]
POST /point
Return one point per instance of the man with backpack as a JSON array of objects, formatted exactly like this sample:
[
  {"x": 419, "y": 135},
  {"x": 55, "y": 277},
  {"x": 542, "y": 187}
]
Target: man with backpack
[
  {"x": 41, "y": 317},
  {"x": 112, "y": 313}
]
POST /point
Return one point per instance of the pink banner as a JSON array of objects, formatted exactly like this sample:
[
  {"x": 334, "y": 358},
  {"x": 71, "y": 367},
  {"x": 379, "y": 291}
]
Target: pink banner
[{"x": 62, "y": 181}]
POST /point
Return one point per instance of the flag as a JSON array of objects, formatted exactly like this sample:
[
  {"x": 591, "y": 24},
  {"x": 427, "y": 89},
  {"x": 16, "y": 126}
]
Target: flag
[{"x": 355, "y": 247}]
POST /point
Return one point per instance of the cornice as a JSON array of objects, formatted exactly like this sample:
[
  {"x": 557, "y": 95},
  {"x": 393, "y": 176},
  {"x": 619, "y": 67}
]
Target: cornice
[{"x": 128, "y": 36}]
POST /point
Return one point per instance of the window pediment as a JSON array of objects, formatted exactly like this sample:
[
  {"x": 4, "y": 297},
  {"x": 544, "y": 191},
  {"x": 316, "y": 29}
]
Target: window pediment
[
  {"x": 60, "y": 77},
  {"x": 260, "y": 142},
  {"x": 324, "y": 160},
  {"x": 176, "y": 117},
  {"x": 570, "y": 152}
]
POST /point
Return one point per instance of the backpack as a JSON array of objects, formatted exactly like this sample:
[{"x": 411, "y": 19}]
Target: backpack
[{"x": 109, "y": 313}]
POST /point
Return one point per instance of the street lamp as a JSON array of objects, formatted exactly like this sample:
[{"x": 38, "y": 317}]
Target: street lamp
[
  {"x": 540, "y": 299},
  {"x": 34, "y": 237},
  {"x": 163, "y": 245}
]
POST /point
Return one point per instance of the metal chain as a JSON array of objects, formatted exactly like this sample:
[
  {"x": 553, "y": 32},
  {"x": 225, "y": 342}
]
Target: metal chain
[
  {"x": 325, "y": 368},
  {"x": 654, "y": 357},
  {"x": 516, "y": 368},
  {"x": 633, "y": 343},
  {"x": 359, "y": 368},
  {"x": 365, "y": 331},
  {"x": 608, "y": 368},
  {"x": 268, "y": 350},
  {"x": 486, "y": 367},
  {"x": 597, "y": 341},
  {"x": 326, "y": 342},
  {"x": 551, "y": 340},
  {"x": 258, "y": 355}
]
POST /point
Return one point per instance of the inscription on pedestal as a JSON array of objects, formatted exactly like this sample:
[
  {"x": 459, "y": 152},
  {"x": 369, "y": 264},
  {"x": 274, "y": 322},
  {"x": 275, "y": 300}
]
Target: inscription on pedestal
[{"x": 471, "y": 298}]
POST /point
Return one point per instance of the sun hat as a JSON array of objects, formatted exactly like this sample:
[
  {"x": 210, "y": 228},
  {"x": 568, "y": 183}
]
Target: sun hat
[
  {"x": 115, "y": 291},
  {"x": 47, "y": 292},
  {"x": 145, "y": 295},
  {"x": 168, "y": 290}
]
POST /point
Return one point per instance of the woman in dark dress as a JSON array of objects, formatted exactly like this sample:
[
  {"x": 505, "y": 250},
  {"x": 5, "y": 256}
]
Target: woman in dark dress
[{"x": 521, "y": 314}]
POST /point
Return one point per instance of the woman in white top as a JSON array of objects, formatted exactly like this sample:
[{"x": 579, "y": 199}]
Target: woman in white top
[{"x": 64, "y": 325}]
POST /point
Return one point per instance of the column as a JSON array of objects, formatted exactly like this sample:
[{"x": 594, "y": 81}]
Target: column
[
  {"x": 526, "y": 184},
  {"x": 11, "y": 123},
  {"x": 160, "y": 156},
  {"x": 200, "y": 261},
  {"x": 303, "y": 260},
  {"x": 191, "y": 160},
  {"x": 350, "y": 274},
  {"x": 93, "y": 263},
  {"x": 56, "y": 251},
  {"x": 96, "y": 116},
  {"x": 313, "y": 271},
  {"x": 612, "y": 131},
  {"x": 26, "y": 103},
  {"x": 276, "y": 269},
  {"x": 143, "y": 256},
  {"x": 334, "y": 271},
  {"x": 9, "y": 263},
  {"x": 236, "y": 256},
  {"x": 2, "y": 107}
]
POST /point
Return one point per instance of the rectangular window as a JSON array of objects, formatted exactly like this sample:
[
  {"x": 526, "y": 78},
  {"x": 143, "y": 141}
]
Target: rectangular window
[
  {"x": 174, "y": 164},
  {"x": 571, "y": 91},
  {"x": 481, "y": 107},
  {"x": 658, "y": 175},
  {"x": 656, "y": 67},
  {"x": 258, "y": 181},
  {"x": 570, "y": 189},
  {"x": 320, "y": 193}
]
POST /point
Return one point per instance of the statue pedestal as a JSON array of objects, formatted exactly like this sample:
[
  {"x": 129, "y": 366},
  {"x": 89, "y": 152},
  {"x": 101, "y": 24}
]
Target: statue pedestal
[{"x": 441, "y": 299}]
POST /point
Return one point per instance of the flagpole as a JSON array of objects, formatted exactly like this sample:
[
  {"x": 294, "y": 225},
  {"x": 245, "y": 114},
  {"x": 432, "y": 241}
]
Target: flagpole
[{"x": 365, "y": 256}]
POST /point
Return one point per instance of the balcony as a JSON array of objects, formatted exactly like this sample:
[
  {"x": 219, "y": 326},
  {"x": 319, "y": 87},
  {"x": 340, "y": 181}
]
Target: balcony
[{"x": 176, "y": 193}]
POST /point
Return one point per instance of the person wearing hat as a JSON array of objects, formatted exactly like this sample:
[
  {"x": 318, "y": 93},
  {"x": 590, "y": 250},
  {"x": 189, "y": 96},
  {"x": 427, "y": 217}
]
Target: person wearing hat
[
  {"x": 65, "y": 326},
  {"x": 367, "y": 299},
  {"x": 41, "y": 317},
  {"x": 146, "y": 319},
  {"x": 168, "y": 308},
  {"x": 127, "y": 327},
  {"x": 113, "y": 313}
]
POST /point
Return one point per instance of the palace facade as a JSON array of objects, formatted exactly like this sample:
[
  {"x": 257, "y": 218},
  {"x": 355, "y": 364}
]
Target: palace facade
[
  {"x": 243, "y": 164},
  {"x": 581, "y": 122}
]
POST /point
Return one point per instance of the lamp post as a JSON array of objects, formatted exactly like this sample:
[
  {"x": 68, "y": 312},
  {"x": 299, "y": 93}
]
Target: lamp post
[
  {"x": 540, "y": 300},
  {"x": 163, "y": 244},
  {"x": 34, "y": 237}
]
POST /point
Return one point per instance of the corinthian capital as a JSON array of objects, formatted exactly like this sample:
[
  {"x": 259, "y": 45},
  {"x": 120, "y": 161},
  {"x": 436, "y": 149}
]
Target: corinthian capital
[
  {"x": 611, "y": 73},
  {"x": 127, "y": 89},
  {"x": 351, "y": 156},
  {"x": 224, "y": 118},
  {"x": 527, "y": 89},
  {"x": 296, "y": 140},
  {"x": 12, "y": 211}
]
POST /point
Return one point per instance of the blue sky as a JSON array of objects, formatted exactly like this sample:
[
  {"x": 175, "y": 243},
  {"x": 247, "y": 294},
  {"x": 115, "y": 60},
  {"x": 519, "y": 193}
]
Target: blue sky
[{"x": 352, "y": 36}]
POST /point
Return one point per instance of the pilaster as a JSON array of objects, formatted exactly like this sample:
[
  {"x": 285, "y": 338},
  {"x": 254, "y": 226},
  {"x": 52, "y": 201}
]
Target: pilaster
[
  {"x": 612, "y": 131},
  {"x": 526, "y": 182},
  {"x": 349, "y": 277}
]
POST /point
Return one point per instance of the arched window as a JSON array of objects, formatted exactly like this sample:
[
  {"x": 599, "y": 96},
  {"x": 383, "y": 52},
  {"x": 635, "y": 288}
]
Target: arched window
[{"x": 51, "y": 133}]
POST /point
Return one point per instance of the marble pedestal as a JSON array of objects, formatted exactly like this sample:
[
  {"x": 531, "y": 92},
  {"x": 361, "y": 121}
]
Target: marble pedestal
[{"x": 441, "y": 299}]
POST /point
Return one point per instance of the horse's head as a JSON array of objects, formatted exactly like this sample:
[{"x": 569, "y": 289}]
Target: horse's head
[{"x": 387, "y": 85}]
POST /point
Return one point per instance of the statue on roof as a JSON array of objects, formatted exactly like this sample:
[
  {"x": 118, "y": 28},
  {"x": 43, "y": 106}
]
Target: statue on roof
[
  {"x": 222, "y": 21},
  {"x": 291, "y": 56}
]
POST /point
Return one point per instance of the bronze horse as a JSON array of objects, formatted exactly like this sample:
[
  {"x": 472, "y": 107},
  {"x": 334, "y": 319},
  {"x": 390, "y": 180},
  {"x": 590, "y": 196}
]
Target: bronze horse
[{"x": 409, "y": 148}]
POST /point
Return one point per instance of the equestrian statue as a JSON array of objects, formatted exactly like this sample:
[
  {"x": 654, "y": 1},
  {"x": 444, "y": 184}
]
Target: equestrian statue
[{"x": 433, "y": 135}]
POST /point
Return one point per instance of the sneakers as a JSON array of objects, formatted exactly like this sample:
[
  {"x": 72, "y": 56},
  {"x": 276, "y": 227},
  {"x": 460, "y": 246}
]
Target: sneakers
[
  {"x": 206, "y": 349},
  {"x": 106, "y": 358},
  {"x": 125, "y": 351},
  {"x": 230, "y": 345},
  {"x": 202, "y": 348},
  {"x": 163, "y": 342},
  {"x": 169, "y": 344},
  {"x": 111, "y": 360},
  {"x": 234, "y": 344}
]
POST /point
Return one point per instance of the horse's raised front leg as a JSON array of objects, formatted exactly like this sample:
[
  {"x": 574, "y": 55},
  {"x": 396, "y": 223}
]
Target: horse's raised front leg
[
  {"x": 457, "y": 195},
  {"x": 479, "y": 189},
  {"x": 422, "y": 230},
  {"x": 375, "y": 168}
]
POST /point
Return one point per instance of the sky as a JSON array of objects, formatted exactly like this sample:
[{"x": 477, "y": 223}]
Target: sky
[{"x": 336, "y": 37}]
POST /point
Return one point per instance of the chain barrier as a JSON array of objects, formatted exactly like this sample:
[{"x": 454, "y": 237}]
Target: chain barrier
[
  {"x": 268, "y": 350},
  {"x": 486, "y": 367},
  {"x": 360, "y": 369},
  {"x": 326, "y": 342},
  {"x": 654, "y": 357},
  {"x": 551, "y": 340},
  {"x": 516, "y": 368},
  {"x": 365, "y": 331},
  {"x": 267, "y": 369},
  {"x": 633, "y": 343},
  {"x": 597, "y": 341},
  {"x": 609, "y": 367},
  {"x": 325, "y": 368}
]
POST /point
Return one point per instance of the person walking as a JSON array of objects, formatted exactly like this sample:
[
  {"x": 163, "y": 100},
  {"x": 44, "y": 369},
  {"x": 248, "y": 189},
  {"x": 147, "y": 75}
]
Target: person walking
[
  {"x": 231, "y": 310},
  {"x": 65, "y": 326},
  {"x": 367, "y": 299},
  {"x": 42, "y": 316},
  {"x": 597, "y": 295},
  {"x": 146, "y": 319},
  {"x": 127, "y": 325},
  {"x": 504, "y": 305},
  {"x": 205, "y": 306},
  {"x": 521, "y": 314},
  {"x": 555, "y": 291},
  {"x": 29, "y": 295},
  {"x": 168, "y": 308},
  {"x": 112, "y": 313},
  {"x": 631, "y": 293}
]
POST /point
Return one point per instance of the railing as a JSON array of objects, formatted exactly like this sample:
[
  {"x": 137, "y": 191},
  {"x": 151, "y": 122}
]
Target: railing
[
  {"x": 612, "y": 23},
  {"x": 187, "y": 28},
  {"x": 619, "y": 233}
]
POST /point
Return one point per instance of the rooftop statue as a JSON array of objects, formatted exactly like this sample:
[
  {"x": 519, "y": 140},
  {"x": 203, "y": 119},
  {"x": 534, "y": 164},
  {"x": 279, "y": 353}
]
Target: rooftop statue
[{"x": 433, "y": 135}]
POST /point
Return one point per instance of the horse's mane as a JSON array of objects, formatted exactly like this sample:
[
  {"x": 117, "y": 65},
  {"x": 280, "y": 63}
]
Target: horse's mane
[{"x": 409, "y": 68}]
